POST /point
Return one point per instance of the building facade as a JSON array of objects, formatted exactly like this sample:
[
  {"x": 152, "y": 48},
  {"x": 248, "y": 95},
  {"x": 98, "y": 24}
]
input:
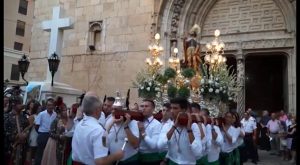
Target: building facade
[
  {"x": 108, "y": 43},
  {"x": 18, "y": 19}
]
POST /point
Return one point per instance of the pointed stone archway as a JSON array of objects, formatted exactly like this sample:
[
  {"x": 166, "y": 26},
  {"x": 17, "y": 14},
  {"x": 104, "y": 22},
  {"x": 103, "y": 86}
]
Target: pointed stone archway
[{"x": 246, "y": 27}]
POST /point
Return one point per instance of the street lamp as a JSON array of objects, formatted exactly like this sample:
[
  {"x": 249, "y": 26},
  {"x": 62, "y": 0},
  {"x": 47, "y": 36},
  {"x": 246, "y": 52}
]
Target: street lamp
[
  {"x": 23, "y": 66},
  {"x": 53, "y": 61}
]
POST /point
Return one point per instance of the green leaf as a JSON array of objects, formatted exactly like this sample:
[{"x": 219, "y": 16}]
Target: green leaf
[{"x": 170, "y": 73}]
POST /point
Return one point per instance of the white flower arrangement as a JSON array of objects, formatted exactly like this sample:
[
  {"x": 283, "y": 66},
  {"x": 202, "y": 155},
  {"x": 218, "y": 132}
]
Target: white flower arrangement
[
  {"x": 219, "y": 84},
  {"x": 148, "y": 87}
]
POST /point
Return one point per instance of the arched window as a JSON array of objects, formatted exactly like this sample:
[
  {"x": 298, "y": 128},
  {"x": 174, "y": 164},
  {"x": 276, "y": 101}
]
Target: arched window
[{"x": 95, "y": 29}]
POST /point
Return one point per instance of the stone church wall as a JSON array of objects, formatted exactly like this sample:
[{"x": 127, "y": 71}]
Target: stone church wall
[{"x": 124, "y": 39}]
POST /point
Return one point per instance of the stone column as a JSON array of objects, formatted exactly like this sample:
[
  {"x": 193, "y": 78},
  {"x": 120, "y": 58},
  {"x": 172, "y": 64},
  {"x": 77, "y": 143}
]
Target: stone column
[{"x": 241, "y": 81}]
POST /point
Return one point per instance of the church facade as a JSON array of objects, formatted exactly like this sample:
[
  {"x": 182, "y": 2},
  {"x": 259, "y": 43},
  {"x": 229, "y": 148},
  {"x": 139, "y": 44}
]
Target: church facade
[{"x": 107, "y": 44}]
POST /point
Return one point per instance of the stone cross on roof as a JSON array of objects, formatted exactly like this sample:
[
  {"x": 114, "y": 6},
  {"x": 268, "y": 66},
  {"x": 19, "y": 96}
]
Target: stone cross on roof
[{"x": 55, "y": 27}]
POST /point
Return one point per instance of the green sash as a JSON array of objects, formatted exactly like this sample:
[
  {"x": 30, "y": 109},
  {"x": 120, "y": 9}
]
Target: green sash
[
  {"x": 202, "y": 161},
  {"x": 236, "y": 156},
  {"x": 149, "y": 157},
  {"x": 228, "y": 158},
  {"x": 214, "y": 163},
  {"x": 162, "y": 155},
  {"x": 69, "y": 161},
  {"x": 170, "y": 162},
  {"x": 131, "y": 159}
]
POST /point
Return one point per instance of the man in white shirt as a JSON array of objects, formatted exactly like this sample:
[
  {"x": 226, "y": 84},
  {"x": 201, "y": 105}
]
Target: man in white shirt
[
  {"x": 149, "y": 133},
  {"x": 230, "y": 136},
  {"x": 89, "y": 141},
  {"x": 42, "y": 125},
  {"x": 183, "y": 140},
  {"x": 120, "y": 129},
  {"x": 205, "y": 132},
  {"x": 249, "y": 127},
  {"x": 108, "y": 107},
  {"x": 165, "y": 121},
  {"x": 273, "y": 126},
  {"x": 214, "y": 149}
]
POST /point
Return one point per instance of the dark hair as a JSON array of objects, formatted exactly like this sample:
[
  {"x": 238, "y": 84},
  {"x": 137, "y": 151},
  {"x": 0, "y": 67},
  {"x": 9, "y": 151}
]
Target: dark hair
[
  {"x": 35, "y": 108},
  {"x": 183, "y": 103},
  {"x": 51, "y": 100},
  {"x": 168, "y": 105},
  {"x": 206, "y": 111},
  {"x": 237, "y": 122},
  {"x": 228, "y": 112},
  {"x": 112, "y": 99},
  {"x": 151, "y": 101},
  {"x": 195, "y": 105}
]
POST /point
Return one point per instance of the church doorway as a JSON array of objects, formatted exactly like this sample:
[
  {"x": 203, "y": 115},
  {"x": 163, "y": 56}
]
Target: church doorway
[{"x": 266, "y": 82}]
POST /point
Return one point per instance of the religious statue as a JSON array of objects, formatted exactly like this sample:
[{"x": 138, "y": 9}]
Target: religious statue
[{"x": 192, "y": 49}]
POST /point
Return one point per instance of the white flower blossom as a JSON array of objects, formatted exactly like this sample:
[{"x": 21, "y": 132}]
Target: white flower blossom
[
  {"x": 202, "y": 81},
  {"x": 230, "y": 98},
  {"x": 202, "y": 90},
  {"x": 142, "y": 88},
  {"x": 210, "y": 90},
  {"x": 157, "y": 89},
  {"x": 217, "y": 91},
  {"x": 221, "y": 88},
  {"x": 148, "y": 88},
  {"x": 210, "y": 81},
  {"x": 150, "y": 84}
]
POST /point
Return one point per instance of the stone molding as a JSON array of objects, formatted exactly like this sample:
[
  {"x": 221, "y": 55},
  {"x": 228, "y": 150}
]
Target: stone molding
[{"x": 258, "y": 44}]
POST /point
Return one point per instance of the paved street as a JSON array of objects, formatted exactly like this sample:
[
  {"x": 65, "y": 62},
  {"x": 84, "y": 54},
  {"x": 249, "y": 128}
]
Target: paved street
[{"x": 267, "y": 159}]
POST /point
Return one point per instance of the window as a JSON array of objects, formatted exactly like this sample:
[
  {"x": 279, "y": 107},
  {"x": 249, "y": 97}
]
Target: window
[
  {"x": 23, "y": 7},
  {"x": 20, "y": 30},
  {"x": 94, "y": 35},
  {"x": 15, "y": 75},
  {"x": 18, "y": 46}
]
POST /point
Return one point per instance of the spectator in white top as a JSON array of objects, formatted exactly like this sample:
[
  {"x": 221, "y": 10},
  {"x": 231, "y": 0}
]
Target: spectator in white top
[
  {"x": 183, "y": 139},
  {"x": 149, "y": 133},
  {"x": 89, "y": 140},
  {"x": 273, "y": 126},
  {"x": 42, "y": 125}
]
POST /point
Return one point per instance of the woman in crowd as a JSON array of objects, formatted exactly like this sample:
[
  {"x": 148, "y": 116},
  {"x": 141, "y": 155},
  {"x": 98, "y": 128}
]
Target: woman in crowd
[
  {"x": 33, "y": 107},
  {"x": 291, "y": 139},
  {"x": 264, "y": 140},
  {"x": 58, "y": 147}
]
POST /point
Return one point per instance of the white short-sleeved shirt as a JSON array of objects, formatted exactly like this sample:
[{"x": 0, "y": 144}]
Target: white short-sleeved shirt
[
  {"x": 108, "y": 121},
  {"x": 152, "y": 130},
  {"x": 44, "y": 120},
  {"x": 205, "y": 140},
  {"x": 89, "y": 141},
  {"x": 165, "y": 124},
  {"x": 234, "y": 133},
  {"x": 117, "y": 132},
  {"x": 248, "y": 125},
  {"x": 215, "y": 147},
  {"x": 180, "y": 150},
  {"x": 102, "y": 119}
]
